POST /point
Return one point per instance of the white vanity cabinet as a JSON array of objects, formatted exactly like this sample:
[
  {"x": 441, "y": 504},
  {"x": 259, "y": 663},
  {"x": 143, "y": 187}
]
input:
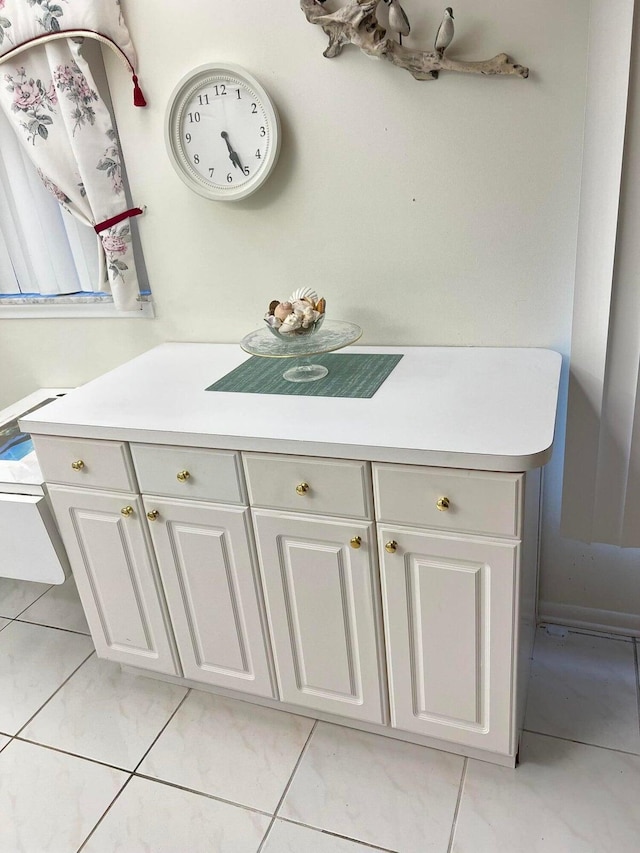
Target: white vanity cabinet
[
  {"x": 207, "y": 565},
  {"x": 93, "y": 491},
  {"x": 107, "y": 542},
  {"x": 366, "y": 561},
  {"x": 316, "y": 547},
  {"x": 449, "y": 583}
]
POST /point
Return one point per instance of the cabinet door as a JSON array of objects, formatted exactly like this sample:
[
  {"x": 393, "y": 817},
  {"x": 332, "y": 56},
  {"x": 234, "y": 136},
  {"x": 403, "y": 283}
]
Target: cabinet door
[
  {"x": 206, "y": 561},
  {"x": 116, "y": 577},
  {"x": 448, "y": 604},
  {"x": 322, "y": 601}
]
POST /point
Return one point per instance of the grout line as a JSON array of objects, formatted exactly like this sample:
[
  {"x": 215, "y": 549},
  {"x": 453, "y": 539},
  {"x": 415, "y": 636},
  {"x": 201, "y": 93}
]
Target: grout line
[
  {"x": 303, "y": 752},
  {"x": 582, "y": 742},
  {"x": 204, "y": 794},
  {"x": 132, "y": 773},
  {"x": 72, "y": 754},
  {"x": 358, "y": 841},
  {"x": 34, "y": 600},
  {"x": 57, "y": 690},
  {"x": 456, "y": 812},
  {"x": 156, "y": 738},
  {"x": 104, "y": 814},
  {"x": 52, "y": 627},
  {"x": 588, "y": 632}
]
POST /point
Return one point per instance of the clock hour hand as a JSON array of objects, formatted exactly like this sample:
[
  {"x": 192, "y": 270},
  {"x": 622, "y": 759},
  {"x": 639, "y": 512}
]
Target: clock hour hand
[{"x": 232, "y": 154}]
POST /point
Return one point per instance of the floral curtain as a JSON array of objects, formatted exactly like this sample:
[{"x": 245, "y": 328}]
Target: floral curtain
[{"x": 50, "y": 96}]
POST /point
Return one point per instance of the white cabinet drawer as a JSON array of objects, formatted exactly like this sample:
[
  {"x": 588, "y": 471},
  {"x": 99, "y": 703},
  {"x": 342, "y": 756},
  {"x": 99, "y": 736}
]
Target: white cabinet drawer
[
  {"x": 85, "y": 462},
  {"x": 189, "y": 472},
  {"x": 478, "y": 502},
  {"x": 309, "y": 485}
]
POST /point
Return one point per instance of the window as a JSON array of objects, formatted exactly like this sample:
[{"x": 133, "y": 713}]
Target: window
[{"x": 50, "y": 262}]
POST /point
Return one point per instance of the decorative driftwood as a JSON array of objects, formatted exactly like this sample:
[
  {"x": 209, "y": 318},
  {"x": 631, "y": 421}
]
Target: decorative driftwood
[{"x": 356, "y": 23}]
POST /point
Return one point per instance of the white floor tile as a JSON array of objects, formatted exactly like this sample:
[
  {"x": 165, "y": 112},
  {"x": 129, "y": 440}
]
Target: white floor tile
[
  {"x": 150, "y": 816},
  {"x": 4, "y": 740},
  {"x": 563, "y": 798},
  {"x": 106, "y": 714},
  {"x": 60, "y": 608},
  {"x": 376, "y": 790},
  {"x": 34, "y": 662},
  {"x": 50, "y": 801},
  {"x": 4, "y": 623},
  {"x": 240, "y": 752},
  {"x": 584, "y": 688},
  {"x": 15, "y": 595},
  {"x": 292, "y": 838}
]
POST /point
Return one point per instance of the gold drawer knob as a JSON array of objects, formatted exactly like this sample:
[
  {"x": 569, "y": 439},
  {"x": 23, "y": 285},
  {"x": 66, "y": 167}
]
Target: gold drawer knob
[
  {"x": 183, "y": 476},
  {"x": 356, "y": 542},
  {"x": 153, "y": 514},
  {"x": 443, "y": 504},
  {"x": 302, "y": 488},
  {"x": 78, "y": 465},
  {"x": 391, "y": 547},
  {"x": 127, "y": 511}
]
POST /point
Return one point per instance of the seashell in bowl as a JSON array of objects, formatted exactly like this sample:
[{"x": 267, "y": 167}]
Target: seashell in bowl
[
  {"x": 307, "y": 293},
  {"x": 301, "y": 314}
]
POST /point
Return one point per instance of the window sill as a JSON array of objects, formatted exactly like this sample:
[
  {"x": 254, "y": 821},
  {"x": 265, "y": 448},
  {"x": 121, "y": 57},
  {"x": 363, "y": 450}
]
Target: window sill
[{"x": 83, "y": 307}]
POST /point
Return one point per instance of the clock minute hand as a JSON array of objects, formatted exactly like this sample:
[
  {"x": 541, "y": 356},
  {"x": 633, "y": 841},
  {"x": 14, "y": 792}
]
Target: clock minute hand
[{"x": 232, "y": 154}]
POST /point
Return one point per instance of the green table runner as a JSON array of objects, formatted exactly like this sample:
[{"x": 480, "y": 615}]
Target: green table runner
[{"x": 350, "y": 375}]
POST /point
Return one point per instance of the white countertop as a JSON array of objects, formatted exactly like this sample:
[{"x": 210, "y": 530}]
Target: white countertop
[{"x": 464, "y": 407}]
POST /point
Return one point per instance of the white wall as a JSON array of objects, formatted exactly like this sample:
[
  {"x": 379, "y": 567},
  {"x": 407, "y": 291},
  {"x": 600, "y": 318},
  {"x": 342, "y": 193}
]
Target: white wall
[{"x": 431, "y": 213}]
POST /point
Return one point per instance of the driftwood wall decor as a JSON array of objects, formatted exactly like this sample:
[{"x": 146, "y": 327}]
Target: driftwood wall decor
[{"x": 357, "y": 23}]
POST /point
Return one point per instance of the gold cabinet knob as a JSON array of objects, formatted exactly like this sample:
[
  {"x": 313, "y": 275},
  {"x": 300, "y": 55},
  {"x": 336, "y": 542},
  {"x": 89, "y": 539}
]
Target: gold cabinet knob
[
  {"x": 183, "y": 476},
  {"x": 356, "y": 542},
  {"x": 78, "y": 465},
  {"x": 153, "y": 514},
  {"x": 443, "y": 504},
  {"x": 302, "y": 488},
  {"x": 391, "y": 547},
  {"x": 127, "y": 511}
]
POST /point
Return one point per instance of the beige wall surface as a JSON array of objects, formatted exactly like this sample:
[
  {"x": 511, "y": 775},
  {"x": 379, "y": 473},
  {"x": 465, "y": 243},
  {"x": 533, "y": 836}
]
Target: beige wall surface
[{"x": 434, "y": 213}]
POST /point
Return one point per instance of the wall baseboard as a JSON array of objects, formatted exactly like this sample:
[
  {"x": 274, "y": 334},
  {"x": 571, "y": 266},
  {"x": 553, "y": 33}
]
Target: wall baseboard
[{"x": 589, "y": 618}]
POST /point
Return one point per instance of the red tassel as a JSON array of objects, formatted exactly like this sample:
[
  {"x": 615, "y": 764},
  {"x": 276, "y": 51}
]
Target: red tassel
[{"x": 138, "y": 97}]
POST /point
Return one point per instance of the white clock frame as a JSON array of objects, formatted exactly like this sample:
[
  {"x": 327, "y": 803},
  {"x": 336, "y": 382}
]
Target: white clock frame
[{"x": 193, "y": 85}]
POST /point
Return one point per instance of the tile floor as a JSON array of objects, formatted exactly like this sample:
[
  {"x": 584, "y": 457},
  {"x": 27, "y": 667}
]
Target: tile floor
[{"x": 96, "y": 760}]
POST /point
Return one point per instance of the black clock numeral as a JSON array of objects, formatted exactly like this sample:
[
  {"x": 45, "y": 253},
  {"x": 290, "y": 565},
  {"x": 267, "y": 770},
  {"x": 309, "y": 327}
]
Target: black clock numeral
[
  {"x": 220, "y": 89},
  {"x": 246, "y": 170},
  {"x": 193, "y": 117},
  {"x": 258, "y": 155},
  {"x": 188, "y": 137},
  {"x": 263, "y": 131},
  {"x": 211, "y": 171},
  {"x": 254, "y": 109},
  {"x": 203, "y": 100},
  {"x": 229, "y": 178},
  {"x": 239, "y": 96},
  {"x": 196, "y": 159}
]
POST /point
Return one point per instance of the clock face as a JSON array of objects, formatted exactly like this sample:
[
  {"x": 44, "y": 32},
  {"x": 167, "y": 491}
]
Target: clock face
[{"x": 222, "y": 132}]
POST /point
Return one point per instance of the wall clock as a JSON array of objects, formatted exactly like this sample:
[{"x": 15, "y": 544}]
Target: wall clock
[{"x": 222, "y": 132}]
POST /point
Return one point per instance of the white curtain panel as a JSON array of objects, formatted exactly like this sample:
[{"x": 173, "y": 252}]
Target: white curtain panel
[
  {"x": 601, "y": 488},
  {"x": 51, "y": 98},
  {"x": 43, "y": 249}
]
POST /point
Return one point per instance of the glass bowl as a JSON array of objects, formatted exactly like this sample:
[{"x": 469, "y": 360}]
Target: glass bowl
[{"x": 297, "y": 333}]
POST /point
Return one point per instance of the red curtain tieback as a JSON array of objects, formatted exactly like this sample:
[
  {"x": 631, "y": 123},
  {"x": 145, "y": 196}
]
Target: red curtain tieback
[{"x": 108, "y": 223}]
